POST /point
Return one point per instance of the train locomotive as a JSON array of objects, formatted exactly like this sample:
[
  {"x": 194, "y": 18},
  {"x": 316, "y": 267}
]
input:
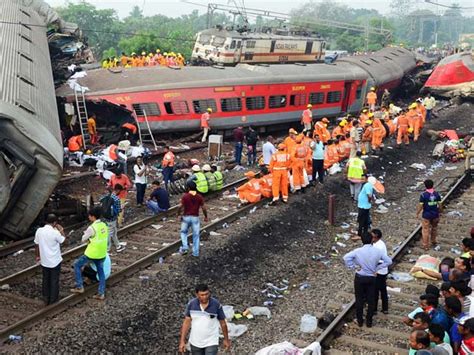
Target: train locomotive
[
  {"x": 259, "y": 95},
  {"x": 31, "y": 151}
]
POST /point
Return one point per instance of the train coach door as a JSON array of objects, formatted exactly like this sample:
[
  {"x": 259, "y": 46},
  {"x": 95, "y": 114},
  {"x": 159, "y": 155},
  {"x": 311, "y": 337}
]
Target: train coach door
[
  {"x": 347, "y": 96},
  {"x": 238, "y": 51},
  {"x": 309, "y": 47}
]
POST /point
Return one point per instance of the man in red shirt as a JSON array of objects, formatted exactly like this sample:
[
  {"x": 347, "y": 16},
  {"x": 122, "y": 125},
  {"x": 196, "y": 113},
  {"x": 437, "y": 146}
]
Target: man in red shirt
[
  {"x": 189, "y": 213},
  {"x": 466, "y": 329},
  {"x": 121, "y": 179}
]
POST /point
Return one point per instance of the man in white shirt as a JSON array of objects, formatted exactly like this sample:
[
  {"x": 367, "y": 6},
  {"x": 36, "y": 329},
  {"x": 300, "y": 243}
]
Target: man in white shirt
[
  {"x": 140, "y": 170},
  {"x": 268, "y": 150},
  {"x": 48, "y": 240},
  {"x": 381, "y": 280}
]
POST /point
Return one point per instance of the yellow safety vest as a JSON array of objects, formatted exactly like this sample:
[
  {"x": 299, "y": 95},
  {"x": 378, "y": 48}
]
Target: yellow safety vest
[
  {"x": 211, "y": 180},
  {"x": 356, "y": 170},
  {"x": 201, "y": 183},
  {"x": 219, "y": 180},
  {"x": 97, "y": 247}
]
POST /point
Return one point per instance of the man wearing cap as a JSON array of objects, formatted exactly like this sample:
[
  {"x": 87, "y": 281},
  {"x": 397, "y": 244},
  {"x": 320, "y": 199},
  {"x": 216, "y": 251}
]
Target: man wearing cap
[
  {"x": 279, "y": 165},
  {"x": 366, "y": 196},
  {"x": 307, "y": 117},
  {"x": 199, "y": 179},
  {"x": 367, "y": 137},
  {"x": 205, "y": 117},
  {"x": 320, "y": 129},
  {"x": 211, "y": 179},
  {"x": 364, "y": 116},
  {"x": 290, "y": 141},
  {"x": 466, "y": 329},
  {"x": 414, "y": 121},
  {"x": 250, "y": 192},
  {"x": 371, "y": 98},
  {"x": 339, "y": 129},
  {"x": 356, "y": 136},
  {"x": 298, "y": 163},
  {"x": 402, "y": 130}
]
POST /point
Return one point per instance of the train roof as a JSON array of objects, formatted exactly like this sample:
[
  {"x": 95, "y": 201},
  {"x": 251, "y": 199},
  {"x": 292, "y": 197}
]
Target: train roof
[
  {"x": 256, "y": 35},
  {"x": 103, "y": 82}
]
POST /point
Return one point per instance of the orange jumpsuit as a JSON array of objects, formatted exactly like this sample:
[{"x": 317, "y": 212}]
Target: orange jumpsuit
[
  {"x": 290, "y": 144},
  {"x": 347, "y": 146},
  {"x": 367, "y": 139},
  {"x": 371, "y": 99},
  {"x": 402, "y": 126},
  {"x": 279, "y": 165},
  {"x": 338, "y": 131},
  {"x": 331, "y": 156},
  {"x": 347, "y": 127},
  {"x": 321, "y": 130},
  {"x": 309, "y": 158},
  {"x": 75, "y": 143},
  {"x": 422, "y": 111},
  {"x": 250, "y": 191},
  {"x": 266, "y": 185},
  {"x": 298, "y": 162},
  {"x": 341, "y": 153},
  {"x": 362, "y": 118},
  {"x": 392, "y": 127},
  {"x": 414, "y": 120},
  {"x": 378, "y": 133},
  {"x": 307, "y": 118}
]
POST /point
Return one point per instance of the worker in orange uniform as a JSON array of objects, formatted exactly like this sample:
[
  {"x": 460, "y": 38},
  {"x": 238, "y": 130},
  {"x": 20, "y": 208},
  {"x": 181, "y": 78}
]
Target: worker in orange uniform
[
  {"x": 129, "y": 132},
  {"x": 340, "y": 147},
  {"x": 420, "y": 108},
  {"x": 371, "y": 98},
  {"x": 331, "y": 155},
  {"x": 414, "y": 121},
  {"x": 392, "y": 127},
  {"x": 347, "y": 145},
  {"x": 124, "y": 60},
  {"x": 307, "y": 141},
  {"x": 347, "y": 127},
  {"x": 321, "y": 130},
  {"x": 290, "y": 141},
  {"x": 298, "y": 163},
  {"x": 266, "y": 182},
  {"x": 250, "y": 191},
  {"x": 120, "y": 179},
  {"x": 307, "y": 117},
  {"x": 167, "y": 164},
  {"x": 339, "y": 129},
  {"x": 92, "y": 129},
  {"x": 378, "y": 132},
  {"x": 364, "y": 116},
  {"x": 403, "y": 125},
  {"x": 205, "y": 117},
  {"x": 75, "y": 143},
  {"x": 367, "y": 137},
  {"x": 279, "y": 165}
]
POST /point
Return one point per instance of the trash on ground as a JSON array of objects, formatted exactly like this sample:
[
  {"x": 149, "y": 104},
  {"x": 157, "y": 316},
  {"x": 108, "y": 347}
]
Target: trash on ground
[
  {"x": 381, "y": 209},
  {"x": 268, "y": 303},
  {"x": 157, "y": 226},
  {"x": 345, "y": 225},
  {"x": 253, "y": 210},
  {"x": 454, "y": 213},
  {"x": 214, "y": 234},
  {"x": 228, "y": 312},
  {"x": 18, "y": 252},
  {"x": 394, "y": 289},
  {"x": 287, "y": 348},
  {"x": 456, "y": 251},
  {"x": 235, "y": 330},
  {"x": 418, "y": 166},
  {"x": 345, "y": 236},
  {"x": 5, "y": 287},
  {"x": 15, "y": 338},
  {"x": 304, "y": 286},
  {"x": 308, "y": 323},
  {"x": 379, "y": 201},
  {"x": 310, "y": 231},
  {"x": 401, "y": 276},
  {"x": 451, "y": 168},
  {"x": 342, "y": 245},
  {"x": 259, "y": 311}
]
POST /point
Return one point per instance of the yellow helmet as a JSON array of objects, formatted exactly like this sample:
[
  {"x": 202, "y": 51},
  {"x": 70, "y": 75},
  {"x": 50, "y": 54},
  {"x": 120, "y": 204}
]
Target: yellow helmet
[
  {"x": 371, "y": 114},
  {"x": 342, "y": 123},
  {"x": 209, "y": 110},
  {"x": 88, "y": 151},
  {"x": 412, "y": 106},
  {"x": 410, "y": 130},
  {"x": 165, "y": 53},
  {"x": 133, "y": 53},
  {"x": 150, "y": 54},
  {"x": 158, "y": 50},
  {"x": 143, "y": 53},
  {"x": 309, "y": 106},
  {"x": 368, "y": 122},
  {"x": 372, "y": 89}
]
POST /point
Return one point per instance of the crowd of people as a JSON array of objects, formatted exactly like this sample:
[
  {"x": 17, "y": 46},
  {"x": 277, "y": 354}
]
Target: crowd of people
[{"x": 165, "y": 59}]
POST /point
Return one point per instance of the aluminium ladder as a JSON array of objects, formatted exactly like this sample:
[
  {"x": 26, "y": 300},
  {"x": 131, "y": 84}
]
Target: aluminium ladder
[
  {"x": 81, "y": 109},
  {"x": 147, "y": 136}
]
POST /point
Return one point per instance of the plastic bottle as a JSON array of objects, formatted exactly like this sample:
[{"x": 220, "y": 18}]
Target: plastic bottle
[{"x": 308, "y": 324}]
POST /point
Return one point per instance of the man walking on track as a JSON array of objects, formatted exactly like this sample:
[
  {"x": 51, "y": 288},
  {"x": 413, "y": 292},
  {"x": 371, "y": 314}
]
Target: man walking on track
[
  {"x": 367, "y": 260},
  {"x": 430, "y": 202}
]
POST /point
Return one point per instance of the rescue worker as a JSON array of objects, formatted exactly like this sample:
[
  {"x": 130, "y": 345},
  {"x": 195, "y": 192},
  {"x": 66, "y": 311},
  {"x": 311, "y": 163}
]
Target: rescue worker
[
  {"x": 385, "y": 97},
  {"x": 307, "y": 117},
  {"x": 106, "y": 63},
  {"x": 347, "y": 145},
  {"x": 348, "y": 126},
  {"x": 75, "y": 143},
  {"x": 266, "y": 183},
  {"x": 118, "y": 156},
  {"x": 320, "y": 129},
  {"x": 414, "y": 121},
  {"x": 211, "y": 179},
  {"x": 92, "y": 129},
  {"x": 331, "y": 155},
  {"x": 250, "y": 191},
  {"x": 367, "y": 138},
  {"x": 392, "y": 127},
  {"x": 124, "y": 59},
  {"x": 167, "y": 164},
  {"x": 129, "y": 132},
  {"x": 421, "y": 111},
  {"x": 290, "y": 141},
  {"x": 355, "y": 171},
  {"x": 218, "y": 176},
  {"x": 402, "y": 130},
  {"x": 205, "y": 117},
  {"x": 200, "y": 180},
  {"x": 356, "y": 136},
  {"x": 341, "y": 152},
  {"x": 364, "y": 116},
  {"x": 120, "y": 179},
  {"x": 307, "y": 141},
  {"x": 135, "y": 60},
  {"x": 429, "y": 102},
  {"x": 298, "y": 163},
  {"x": 339, "y": 129},
  {"x": 371, "y": 99},
  {"x": 378, "y": 132},
  {"x": 279, "y": 165}
]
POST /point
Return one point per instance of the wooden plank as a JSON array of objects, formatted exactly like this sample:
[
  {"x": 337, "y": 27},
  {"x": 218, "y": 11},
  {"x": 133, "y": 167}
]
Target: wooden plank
[{"x": 371, "y": 345}]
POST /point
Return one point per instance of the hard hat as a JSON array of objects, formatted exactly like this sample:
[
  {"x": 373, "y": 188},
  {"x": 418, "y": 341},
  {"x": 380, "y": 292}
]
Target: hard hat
[
  {"x": 412, "y": 106},
  {"x": 299, "y": 139},
  {"x": 196, "y": 168},
  {"x": 282, "y": 146},
  {"x": 206, "y": 167},
  {"x": 180, "y": 55},
  {"x": 165, "y": 53},
  {"x": 325, "y": 120},
  {"x": 143, "y": 53},
  {"x": 158, "y": 50},
  {"x": 133, "y": 53},
  {"x": 88, "y": 151},
  {"x": 342, "y": 123},
  {"x": 309, "y": 106},
  {"x": 292, "y": 131},
  {"x": 391, "y": 105},
  {"x": 364, "y": 110},
  {"x": 150, "y": 54},
  {"x": 420, "y": 100},
  {"x": 250, "y": 174},
  {"x": 371, "y": 114},
  {"x": 372, "y": 89},
  {"x": 410, "y": 130},
  {"x": 372, "y": 180},
  {"x": 368, "y": 122},
  {"x": 209, "y": 110}
]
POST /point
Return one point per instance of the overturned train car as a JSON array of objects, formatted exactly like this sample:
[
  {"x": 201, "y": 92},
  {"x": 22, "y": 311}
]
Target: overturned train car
[{"x": 30, "y": 140}]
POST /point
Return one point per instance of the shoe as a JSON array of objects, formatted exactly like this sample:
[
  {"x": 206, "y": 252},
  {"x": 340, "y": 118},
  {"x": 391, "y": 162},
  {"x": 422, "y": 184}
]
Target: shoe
[
  {"x": 196, "y": 256},
  {"x": 273, "y": 203},
  {"x": 385, "y": 312},
  {"x": 120, "y": 248},
  {"x": 99, "y": 297},
  {"x": 359, "y": 324},
  {"x": 183, "y": 252},
  {"x": 77, "y": 290},
  {"x": 285, "y": 201},
  {"x": 369, "y": 325}
]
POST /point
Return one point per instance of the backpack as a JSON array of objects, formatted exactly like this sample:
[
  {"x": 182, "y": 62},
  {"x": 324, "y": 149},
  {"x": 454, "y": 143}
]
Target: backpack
[{"x": 107, "y": 207}]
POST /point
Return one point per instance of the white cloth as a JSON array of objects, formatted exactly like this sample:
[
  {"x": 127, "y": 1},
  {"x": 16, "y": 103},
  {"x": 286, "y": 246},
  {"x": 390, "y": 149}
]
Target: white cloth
[
  {"x": 139, "y": 179},
  {"x": 381, "y": 246},
  {"x": 49, "y": 241},
  {"x": 268, "y": 150}
]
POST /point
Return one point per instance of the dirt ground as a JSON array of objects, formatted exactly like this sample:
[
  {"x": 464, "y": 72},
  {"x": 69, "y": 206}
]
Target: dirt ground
[{"x": 273, "y": 245}]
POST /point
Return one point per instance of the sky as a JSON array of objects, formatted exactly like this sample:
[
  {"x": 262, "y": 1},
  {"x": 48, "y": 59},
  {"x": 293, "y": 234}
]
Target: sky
[{"x": 174, "y": 8}]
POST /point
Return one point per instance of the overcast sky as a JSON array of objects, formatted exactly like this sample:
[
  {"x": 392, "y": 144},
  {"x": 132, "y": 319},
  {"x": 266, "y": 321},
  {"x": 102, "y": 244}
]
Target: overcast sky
[{"x": 175, "y": 8}]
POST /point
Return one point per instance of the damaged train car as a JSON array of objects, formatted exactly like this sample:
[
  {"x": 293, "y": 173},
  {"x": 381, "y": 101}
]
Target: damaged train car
[{"x": 31, "y": 150}]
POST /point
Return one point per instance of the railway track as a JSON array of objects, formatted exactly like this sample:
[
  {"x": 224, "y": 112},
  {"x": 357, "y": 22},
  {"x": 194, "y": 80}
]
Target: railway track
[
  {"x": 389, "y": 335},
  {"x": 148, "y": 241}
]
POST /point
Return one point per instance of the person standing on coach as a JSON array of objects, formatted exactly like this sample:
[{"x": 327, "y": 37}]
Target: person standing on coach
[
  {"x": 430, "y": 203},
  {"x": 48, "y": 240},
  {"x": 381, "y": 279},
  {"x": 205, "y": 117},
  {"x": 168, "y": 167},
  {"x": 367, "y": 260},
  {"x": 203, "y": 316},
  {"x": 307, "y": 118}
]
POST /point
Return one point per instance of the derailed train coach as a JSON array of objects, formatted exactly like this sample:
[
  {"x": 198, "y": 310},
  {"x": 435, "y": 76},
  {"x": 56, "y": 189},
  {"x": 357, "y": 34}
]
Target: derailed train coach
[{"x": 31, "y": 151}]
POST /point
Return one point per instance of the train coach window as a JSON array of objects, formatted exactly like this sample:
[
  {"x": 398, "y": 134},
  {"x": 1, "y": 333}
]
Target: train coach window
[
  {"x": 333, "y": 96},
  {"x": 316, "y": 98},
  {"x": 231, "y": 104},
  {"x": 298, "y": 100},
  {"x": 218, "y": 41},
  {"x": 200, "y": 106},
  {"x": 149, "y": 108},
  {"x": 250, "y": 44},
  {"x": 277, "y": 101},
  {"x": 239, "y": 44},
  {"x": 232, "y": 44},
  {"x": 248, "y": 56},
  {"x": 359, "y": 92},
  {"x": 176, "y": 107},
  {"x": 255, "y": 103}
]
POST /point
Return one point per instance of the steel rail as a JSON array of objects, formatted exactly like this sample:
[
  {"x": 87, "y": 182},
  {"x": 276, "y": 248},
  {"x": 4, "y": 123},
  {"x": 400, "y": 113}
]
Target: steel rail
[
  {"x": 115, "y": 278},
  {"x": 330, "y": 332},
  {"x": 133, "y": 227}
]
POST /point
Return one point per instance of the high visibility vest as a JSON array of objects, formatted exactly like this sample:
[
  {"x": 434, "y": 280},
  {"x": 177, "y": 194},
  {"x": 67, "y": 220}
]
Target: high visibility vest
[
  {"x": 113, "y": 152},
  {"x": 356, "y": 170},
  {"x": 74, "y": 143},
  {"x": 211, "y": 181},
  {"x": 168, "y": 160},
  {"x": 280, "y": 161},
  {"x": 205, "y": 120},
  {"x": 131, "y": 127},
  {"x": 201, "y": 183},
  {"x": 307, "y": 116},
  {"x": 300, "y": 152},
  {"x": 97, "y": 247},
  {"x": 219, "y": 180}
]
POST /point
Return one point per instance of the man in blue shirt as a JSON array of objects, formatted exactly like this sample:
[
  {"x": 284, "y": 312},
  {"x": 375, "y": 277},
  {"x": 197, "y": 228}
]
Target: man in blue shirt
[
  {"x": 366, "y": 196},
  {"x": 453, "y": 307},
  {"x": 367, "y": 261},
  {"x": 318, "y": 159},
  {"x": 430, "y": 203},
  {"x": 159, "y": 199}
]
